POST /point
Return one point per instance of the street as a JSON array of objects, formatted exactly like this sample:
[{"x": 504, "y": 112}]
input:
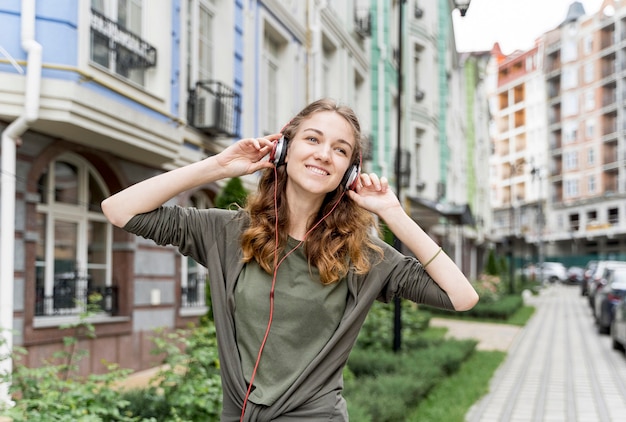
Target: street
[{"x": 558, "y": 368}]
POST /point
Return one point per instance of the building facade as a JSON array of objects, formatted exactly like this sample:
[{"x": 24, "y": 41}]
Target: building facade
[
  {"x": 96, "y": 96},
  {"x": 557, "y": 165}
]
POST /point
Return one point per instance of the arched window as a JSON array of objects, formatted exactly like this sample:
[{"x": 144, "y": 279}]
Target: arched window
[
  {"x": 194, "y": 280},
  {"x": 73, "y": 253}
]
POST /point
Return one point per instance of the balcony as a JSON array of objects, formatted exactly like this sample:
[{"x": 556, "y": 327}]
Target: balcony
[
  {"x": 214, "y": 109},
  {"x": 72, "y": 293},
  {"x": 193, "y": 295},
  {"x": 363, "y": 23},
  {"x": 118, "y": 49}
]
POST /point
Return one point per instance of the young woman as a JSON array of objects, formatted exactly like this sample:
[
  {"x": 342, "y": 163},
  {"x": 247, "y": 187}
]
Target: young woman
[{"x": 293, "y": 274}]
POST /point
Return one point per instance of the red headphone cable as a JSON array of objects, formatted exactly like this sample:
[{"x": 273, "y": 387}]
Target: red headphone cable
[{"x": 276, "y": 265}]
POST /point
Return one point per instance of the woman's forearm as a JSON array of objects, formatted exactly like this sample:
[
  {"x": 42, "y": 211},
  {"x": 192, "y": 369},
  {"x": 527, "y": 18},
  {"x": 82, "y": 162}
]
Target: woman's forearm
[
  {"x": 151, "y": 193},
  {"x": 440, "y": 266}
]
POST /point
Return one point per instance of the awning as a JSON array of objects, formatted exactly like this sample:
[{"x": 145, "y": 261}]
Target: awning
[{"x": 428, "y": 213}]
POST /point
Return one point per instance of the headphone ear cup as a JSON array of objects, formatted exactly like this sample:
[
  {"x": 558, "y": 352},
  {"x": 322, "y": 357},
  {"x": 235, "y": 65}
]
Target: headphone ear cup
[
  {"x": 350, "y": 178},
  {"x": 279, "y": 152}
]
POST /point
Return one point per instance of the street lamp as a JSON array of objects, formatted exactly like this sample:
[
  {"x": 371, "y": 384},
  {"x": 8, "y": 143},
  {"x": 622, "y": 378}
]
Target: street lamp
[{"x": 462, "y": 5}]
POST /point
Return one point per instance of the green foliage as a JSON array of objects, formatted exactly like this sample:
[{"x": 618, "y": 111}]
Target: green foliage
[
  {"x": 54, "y": 392},
  {"x": 492, "y": 264},
  {"x": 232, "y": 193},
  {"x": 399, "y": 381},
  {"x": 452, "y": 398},
  {"x": 189, "y": 386},
  {"x": 377, "y": 331}
]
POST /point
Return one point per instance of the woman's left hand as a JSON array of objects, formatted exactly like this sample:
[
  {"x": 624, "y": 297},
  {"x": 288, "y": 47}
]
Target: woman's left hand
[{"x": 374, "y": 194}]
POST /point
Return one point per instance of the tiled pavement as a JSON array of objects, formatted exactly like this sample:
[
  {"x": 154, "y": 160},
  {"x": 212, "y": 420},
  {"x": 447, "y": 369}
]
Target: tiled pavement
[{"x": 558, "y": 368}]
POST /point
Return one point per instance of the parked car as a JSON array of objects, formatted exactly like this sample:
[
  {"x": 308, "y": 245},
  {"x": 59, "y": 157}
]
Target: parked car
[
  {"x": 589, "y": 269},
  {"x": 549, "y": 271},
  {"x": 575, "y": 275},
  {"x": 609, "y": 293},
  {"x": 618, "y": 326},
  {"x": 598, "y": 278}
]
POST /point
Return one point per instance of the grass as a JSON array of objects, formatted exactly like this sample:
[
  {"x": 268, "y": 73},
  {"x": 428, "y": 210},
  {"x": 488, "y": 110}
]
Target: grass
[
  {"x": 519, "y": 317},
  {"x": 451, "y": 400}
]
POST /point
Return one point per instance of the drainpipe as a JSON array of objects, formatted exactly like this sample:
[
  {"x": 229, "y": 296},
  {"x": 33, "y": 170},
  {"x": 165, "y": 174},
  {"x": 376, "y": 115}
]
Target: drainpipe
[
  {"x": 382, "y": 109},
  {"x": 10, "y": 139}
]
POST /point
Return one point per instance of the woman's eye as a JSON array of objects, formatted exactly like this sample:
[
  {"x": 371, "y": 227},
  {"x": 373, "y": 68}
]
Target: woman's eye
[
  {"x": 342, "y": 151},
  {"x": 312, "y": 139}
]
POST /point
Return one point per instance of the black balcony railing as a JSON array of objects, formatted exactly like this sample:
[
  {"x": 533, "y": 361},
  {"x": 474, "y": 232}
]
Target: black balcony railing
[
  {"x": 194, "y": 294},
  {"x": 112, "y": 43},
  {"x": 214, "y": 109},
  {"x": 363, "y": 23},
  {"x": 72, "y": 293}
]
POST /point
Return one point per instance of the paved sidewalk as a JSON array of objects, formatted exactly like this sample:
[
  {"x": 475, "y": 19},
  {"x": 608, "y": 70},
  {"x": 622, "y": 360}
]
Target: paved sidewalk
[{"x": 558, "y": 368}]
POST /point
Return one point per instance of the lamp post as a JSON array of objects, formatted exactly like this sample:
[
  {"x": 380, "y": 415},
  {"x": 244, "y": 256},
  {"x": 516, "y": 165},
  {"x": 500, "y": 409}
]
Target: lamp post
[
  {"x": 462, "y": 5},
  {"x": 536, "y": 173}
]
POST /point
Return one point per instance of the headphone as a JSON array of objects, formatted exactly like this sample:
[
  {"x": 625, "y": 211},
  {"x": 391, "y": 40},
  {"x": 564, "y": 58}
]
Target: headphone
[{"x": 278, "y": 155}]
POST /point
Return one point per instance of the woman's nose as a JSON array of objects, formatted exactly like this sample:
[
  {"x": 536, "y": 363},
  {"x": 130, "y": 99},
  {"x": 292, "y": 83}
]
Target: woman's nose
[{"x": 323, "y": 153}]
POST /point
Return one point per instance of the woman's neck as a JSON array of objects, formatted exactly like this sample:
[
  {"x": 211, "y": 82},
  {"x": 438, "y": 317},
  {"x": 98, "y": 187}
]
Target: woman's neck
[{"x": 301, "y": 209}]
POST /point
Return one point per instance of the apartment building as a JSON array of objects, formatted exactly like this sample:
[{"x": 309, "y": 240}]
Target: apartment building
[
  {"x": 557, "y": 165},
  {"x": 519, "y": 152},
  {"x": 585, "y": 64},
  {"x": 98, "y": 95}
]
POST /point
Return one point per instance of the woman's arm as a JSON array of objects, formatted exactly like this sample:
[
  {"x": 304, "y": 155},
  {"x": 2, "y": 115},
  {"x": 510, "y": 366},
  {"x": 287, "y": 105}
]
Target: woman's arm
[
  {"x": 375, "y": 195},
  {"x": 243, "y": 157}
]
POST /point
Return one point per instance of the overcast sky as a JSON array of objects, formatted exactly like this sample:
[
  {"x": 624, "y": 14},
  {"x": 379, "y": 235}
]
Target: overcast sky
[{"x": 515, "y": 24}]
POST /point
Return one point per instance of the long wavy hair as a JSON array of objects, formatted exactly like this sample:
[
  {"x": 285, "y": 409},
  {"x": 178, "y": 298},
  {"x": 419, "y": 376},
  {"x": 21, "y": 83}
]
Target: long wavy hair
[{"x": 340, "y": 241}]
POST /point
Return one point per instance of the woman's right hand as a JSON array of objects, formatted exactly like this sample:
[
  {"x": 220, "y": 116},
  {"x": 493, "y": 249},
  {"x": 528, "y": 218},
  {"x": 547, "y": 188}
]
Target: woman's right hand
[{"x": 246, "y": 155}]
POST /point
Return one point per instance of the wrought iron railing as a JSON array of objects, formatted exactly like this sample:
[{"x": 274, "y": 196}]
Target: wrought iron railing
[
  {"x": 214, "y": 108},
  {"x": 193, "y": 295},
  {"x": 72, "y": 293},
  {"x": 128, "y": 50}
]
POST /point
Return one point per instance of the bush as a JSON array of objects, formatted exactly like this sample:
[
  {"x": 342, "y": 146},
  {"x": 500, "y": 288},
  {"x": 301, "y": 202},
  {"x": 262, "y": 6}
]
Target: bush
[
  {"x": 54, "y": 392},
  {"x": 189, "y": 388},
  {"x": 384, "y": 386}
]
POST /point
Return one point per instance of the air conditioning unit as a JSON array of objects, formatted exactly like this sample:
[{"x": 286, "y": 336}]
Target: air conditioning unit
[{"x": 205, "y": 112}]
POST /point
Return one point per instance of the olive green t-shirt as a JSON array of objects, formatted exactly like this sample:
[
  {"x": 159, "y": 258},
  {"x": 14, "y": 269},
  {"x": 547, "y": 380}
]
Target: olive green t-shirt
[{"x": 298, "y": 330}]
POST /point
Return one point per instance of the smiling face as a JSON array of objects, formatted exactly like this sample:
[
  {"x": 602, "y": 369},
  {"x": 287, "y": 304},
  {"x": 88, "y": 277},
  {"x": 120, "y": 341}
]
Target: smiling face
[{"x": 319, "y": 154}]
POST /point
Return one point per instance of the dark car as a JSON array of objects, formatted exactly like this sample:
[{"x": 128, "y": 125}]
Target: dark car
[
  {"x": 598, "y": 279},
  {"x": 618, "y": 326},
  {"x": 608, "y": 295}
]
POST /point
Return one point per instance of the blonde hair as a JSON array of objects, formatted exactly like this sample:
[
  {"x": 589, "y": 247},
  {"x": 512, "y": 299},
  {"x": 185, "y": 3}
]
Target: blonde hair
[{"x": 341, "y": 240}]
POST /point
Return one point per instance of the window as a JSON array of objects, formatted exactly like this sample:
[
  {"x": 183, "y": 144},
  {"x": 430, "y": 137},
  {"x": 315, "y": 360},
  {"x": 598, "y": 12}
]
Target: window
[
  {"x": 613, "y": 216},
  {"x": 590, "y": 100},
  {"x": 200, "y": 38},
  {"x": 570, "y": 104},
  {"x": 73, "y": 252},
  {"x": 116, "y": 26},
  {"x": 591, "y": 185},
  {"x": 590, "y": 126},
  {"x": 591, "y": 156},
  {"x": 588, "y": 44},
  {"x": 330, "y": 75},
  {"x": 570, "y": 188},
  {"x": 194, "y": 281},
  {"x": 570, "y": 132},
  {"x": 570, "y": 159},
  {"x": 273, "y": 47},
  {"x": 570, "y": 77}
]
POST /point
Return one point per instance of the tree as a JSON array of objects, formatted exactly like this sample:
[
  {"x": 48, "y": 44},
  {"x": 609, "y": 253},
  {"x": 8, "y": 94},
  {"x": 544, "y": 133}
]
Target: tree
[{"x": 233, "y": 193}]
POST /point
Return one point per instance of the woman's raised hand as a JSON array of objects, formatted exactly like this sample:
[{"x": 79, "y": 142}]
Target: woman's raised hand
[
  {"x": 246, "y": 155},
  {"x": 375, "y": 195}
]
